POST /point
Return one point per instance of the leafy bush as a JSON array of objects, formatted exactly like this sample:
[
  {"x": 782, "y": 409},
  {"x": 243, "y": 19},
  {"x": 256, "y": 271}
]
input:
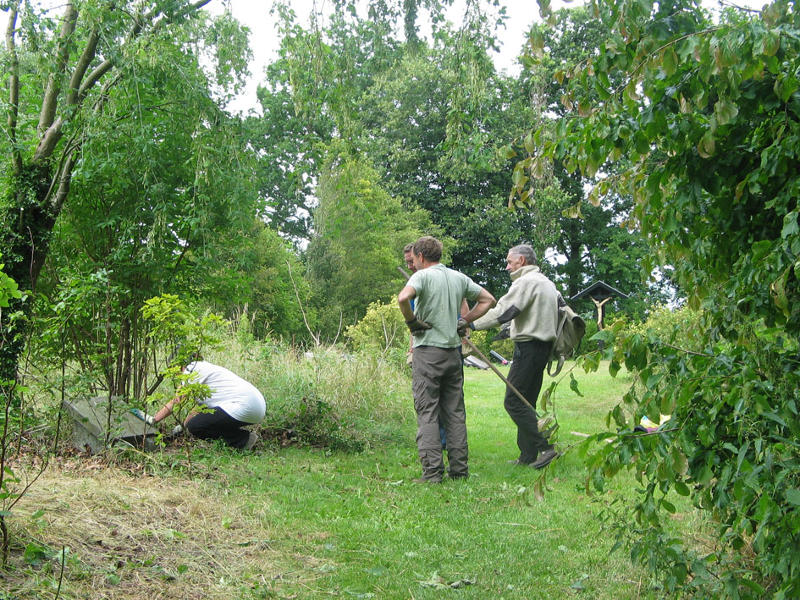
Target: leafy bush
[
  {"x": 485, "y": 343},
  {"x": 381, "y": 331},
  {"x": 587, "y": 345},
  {"x": 679, "y": 327},
  {"x": 707, "y": 150}
]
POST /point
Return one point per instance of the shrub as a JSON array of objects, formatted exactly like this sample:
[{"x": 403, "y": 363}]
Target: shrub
[
  {"x": 382, "y": 331},
  {"x": 586, "y": 344},
  {"x": 679, "y": 327}
]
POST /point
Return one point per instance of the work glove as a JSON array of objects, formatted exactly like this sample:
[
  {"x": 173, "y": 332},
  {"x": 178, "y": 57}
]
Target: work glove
[
  {"x": 462, "y": 327},
  {"x": 416, "y": 326},
  {"x": 143, "y": 416}
]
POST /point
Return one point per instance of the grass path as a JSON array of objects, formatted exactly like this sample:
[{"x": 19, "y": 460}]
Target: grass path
[
  {"x": 373, "y": 533},
  {"x": 305, "y": 523}
]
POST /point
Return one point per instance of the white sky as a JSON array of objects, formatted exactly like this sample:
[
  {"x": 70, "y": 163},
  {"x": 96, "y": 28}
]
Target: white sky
[{"x": 264, "y": 39}]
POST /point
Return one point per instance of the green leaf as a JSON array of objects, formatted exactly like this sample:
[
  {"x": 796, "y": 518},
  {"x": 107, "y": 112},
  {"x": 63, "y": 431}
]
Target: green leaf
[
  {"x": 793, "y": 496},
  {"x": 761, "y": 249},
  {"x": 786, "y": 86},
  {"x": 536, "y": 41},
  {"x": 767, "y": 44},
  {"x": 706, "y": 146},
  {"x": 725, "y": 111},
  {"x": 778, "y": 291},
  {"x": 790, "y": 226},
  {"x": 573, "y": 385},
  {"x": 668, "y": 506},
  {"x": 669, "y": 61}
]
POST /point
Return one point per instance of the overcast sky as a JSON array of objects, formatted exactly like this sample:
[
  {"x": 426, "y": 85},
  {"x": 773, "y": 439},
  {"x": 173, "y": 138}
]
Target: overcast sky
[{"x": 264, "y": 39}]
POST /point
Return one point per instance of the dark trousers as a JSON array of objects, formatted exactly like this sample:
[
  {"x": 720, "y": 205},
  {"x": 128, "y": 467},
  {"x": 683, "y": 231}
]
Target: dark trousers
[
  {"x": 219, "y": 424},
  {"x": 526, "y": 374},
  {"x": 437, "y": 382}
]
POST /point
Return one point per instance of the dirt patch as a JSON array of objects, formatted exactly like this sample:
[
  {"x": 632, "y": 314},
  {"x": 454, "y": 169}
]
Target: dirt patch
[{"x": 136, "y": 536}]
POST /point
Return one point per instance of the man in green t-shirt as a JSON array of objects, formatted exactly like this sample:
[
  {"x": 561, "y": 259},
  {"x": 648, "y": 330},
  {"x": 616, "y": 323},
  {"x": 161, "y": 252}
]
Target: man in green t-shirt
[{"x": 437, "y": 367}]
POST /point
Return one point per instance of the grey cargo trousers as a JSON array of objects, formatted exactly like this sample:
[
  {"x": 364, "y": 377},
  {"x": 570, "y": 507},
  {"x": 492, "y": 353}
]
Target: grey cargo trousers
[{"x": 437, "y": 383}]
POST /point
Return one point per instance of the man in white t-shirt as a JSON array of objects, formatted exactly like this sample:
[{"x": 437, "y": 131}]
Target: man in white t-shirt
[{"x": 236, "y": 403}]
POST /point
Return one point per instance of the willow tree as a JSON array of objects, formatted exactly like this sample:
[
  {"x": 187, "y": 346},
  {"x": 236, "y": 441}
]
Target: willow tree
[{"x": 59, "y": 74}]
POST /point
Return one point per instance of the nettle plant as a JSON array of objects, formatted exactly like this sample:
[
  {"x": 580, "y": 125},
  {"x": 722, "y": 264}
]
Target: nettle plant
[{"x": 701, "y": 128}]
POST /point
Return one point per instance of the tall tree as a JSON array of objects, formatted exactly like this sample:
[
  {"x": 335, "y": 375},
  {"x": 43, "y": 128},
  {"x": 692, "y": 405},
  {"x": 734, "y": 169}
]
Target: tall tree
[
  {"x": 309, "y": 98},
  {"x": 707, "y": 118},
  {"x": 434, "y": 125},
  {"x": 430, "y": 118},
  {"x": 161, "y": 200},
  {"x": 68, "y": 68},
  {"x": 589, "y": 234},
  {"x": 358, "y": 242}
]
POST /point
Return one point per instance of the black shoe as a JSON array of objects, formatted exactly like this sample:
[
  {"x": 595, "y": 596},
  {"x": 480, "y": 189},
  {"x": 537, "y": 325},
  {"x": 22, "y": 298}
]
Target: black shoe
[
  {"x": 545, "y": 458},
  {"x": 519, "y": 462}
]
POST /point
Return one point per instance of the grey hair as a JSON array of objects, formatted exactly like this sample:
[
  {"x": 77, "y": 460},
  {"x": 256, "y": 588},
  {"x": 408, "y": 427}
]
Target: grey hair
[{"x": 526, "y": 252}]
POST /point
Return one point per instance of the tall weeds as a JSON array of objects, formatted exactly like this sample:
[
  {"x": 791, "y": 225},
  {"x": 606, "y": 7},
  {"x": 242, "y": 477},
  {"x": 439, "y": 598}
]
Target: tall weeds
[{"x": 324, "y": 396}]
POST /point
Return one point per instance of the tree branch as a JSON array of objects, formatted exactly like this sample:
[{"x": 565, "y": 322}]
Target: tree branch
[
  {"x": 13, "y": 88},
  {"x": 50, "y": 100},
  {"x": 87, "y": 56},
  {"x": 51, "y": 127}
]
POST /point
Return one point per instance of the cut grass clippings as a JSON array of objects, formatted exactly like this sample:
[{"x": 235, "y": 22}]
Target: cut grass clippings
[{"x": 123, "y": 536}]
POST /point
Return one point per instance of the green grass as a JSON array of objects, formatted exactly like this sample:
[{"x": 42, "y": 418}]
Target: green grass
[
  {"x": 310, "y": 523},
  {"x": 374, "y": 533}
]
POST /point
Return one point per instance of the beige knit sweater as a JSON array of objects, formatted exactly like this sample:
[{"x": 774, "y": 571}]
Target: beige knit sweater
[{"x": 531, "y": 304}]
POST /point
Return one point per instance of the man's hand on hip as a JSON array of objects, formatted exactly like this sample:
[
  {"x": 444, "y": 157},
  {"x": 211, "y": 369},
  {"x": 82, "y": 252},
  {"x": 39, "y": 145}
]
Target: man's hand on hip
[
  {"x": 462, "y": 327},
  {"x": 416, "y": 325}
]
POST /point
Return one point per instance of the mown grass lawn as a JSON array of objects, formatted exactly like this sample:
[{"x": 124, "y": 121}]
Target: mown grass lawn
[
  {"x": 308, "y": 523},
  {"x": 374, "y": 533}
]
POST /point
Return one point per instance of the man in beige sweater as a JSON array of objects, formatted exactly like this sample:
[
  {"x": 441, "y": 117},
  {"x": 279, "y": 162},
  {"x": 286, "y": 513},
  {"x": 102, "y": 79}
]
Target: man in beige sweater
[{"x": 531, "y": 305}]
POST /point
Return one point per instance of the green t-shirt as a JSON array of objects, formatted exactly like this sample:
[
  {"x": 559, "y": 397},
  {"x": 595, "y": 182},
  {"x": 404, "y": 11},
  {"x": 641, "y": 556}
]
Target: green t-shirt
[{"x": 439, "y": 294}]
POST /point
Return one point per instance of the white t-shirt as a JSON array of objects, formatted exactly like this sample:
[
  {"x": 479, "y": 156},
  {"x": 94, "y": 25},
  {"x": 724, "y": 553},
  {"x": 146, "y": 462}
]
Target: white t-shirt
[{"x": 237, "y": 397}]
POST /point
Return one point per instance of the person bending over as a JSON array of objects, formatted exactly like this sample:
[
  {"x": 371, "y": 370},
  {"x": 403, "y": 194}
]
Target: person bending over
[{"x": 234, "y": 405}]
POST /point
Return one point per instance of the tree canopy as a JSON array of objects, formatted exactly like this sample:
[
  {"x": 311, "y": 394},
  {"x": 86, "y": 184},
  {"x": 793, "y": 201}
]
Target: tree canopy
[
  {"x": 109, "y": 105},
  {"x": 697, "y": 122}
]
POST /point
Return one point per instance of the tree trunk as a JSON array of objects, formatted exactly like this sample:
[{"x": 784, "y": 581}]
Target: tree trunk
[{"x": 25, "y": 230}]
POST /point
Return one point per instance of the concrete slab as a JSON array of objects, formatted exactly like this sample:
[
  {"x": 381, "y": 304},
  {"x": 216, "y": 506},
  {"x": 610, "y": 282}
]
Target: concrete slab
[{"x": 90, "y": 418}]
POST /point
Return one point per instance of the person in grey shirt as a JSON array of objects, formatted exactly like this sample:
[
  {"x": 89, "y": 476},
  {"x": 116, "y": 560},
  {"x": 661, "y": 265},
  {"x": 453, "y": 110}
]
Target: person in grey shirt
[{"x": 437, "y": 366}]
